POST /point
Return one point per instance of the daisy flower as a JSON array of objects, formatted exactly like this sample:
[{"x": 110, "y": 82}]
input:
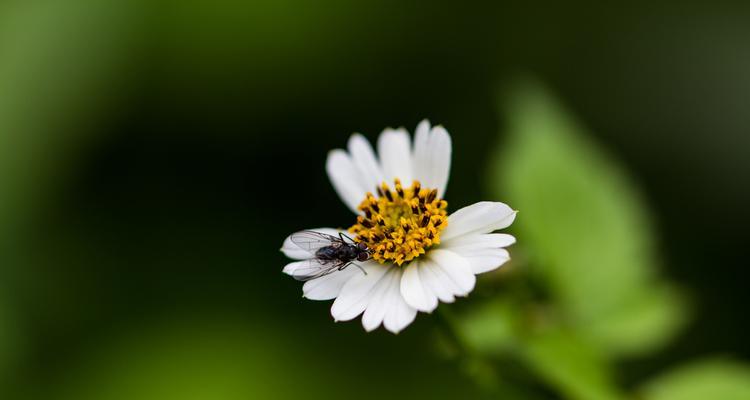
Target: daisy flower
[{"x": 415, "y": 253}]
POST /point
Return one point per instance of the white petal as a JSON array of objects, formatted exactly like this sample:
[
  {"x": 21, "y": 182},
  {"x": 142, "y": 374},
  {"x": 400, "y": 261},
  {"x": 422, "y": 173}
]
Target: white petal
[
  {"x": 394, "y": 150},
  {"x": 329, "y": 286},
  {"x": 440, "y": 159},
  {"x": 364, "y": 159},
  {"x": 491, "y": 260},
  {"x": 485, "y": 260},
  {"x": 346, "y": 178},
  {"x": 482, "y": 217},
  {"x": 432, "y": 156},
  {"x": 399, "y": 314},
  {"x": 356, "y": 293},
  {"x": 415, "y": 291},
  {"x": 483, "y": 251},
  {"x": 478, "y": 241},
  {"x": 380, "y": 301},
  {"x": 439, "y": 283},
  {"x": 421, "y": 159},
  {"x": 294, "y": 252},
  {"x": 456, "y": 269},
  {"x": 421, "y": 136}
]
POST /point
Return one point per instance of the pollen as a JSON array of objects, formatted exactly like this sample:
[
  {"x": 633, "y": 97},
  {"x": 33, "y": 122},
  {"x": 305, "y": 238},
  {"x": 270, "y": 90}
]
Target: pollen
[{"x": 400, "y": 224}]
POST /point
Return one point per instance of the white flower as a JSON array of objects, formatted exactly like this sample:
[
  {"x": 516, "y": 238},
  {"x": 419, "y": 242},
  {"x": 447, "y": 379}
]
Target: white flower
[{"x": 419, "y": 254}]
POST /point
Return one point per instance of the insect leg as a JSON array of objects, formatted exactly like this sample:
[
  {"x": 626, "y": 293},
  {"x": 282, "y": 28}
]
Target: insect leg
[{"x": 359, "y": 266}]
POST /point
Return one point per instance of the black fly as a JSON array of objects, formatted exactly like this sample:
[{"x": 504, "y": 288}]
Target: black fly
[{"x": 330, "y": 253}]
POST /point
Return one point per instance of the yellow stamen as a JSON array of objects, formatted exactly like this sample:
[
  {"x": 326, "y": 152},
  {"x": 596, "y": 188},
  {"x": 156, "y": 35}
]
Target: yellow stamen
[{"x": 401, "y": 224}]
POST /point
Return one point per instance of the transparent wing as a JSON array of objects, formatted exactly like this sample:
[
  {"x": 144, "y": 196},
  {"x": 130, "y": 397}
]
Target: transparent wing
[
  {"x": 314, "y": 268},
  {"x": 312, "y": 241}
]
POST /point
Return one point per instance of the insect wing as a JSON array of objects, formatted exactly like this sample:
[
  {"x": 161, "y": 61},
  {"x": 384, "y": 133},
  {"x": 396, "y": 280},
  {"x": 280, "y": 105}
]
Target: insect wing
[
  {"x": 314, "y": 268},
  {"x": 312, "y": 241}
]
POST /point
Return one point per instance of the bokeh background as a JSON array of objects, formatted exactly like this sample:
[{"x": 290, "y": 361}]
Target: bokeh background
[{"x": 155, "y": 154}]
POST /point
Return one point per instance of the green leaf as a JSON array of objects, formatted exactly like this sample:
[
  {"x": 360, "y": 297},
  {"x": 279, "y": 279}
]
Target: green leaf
[
  {"x": 61, "y": 67},
  {"x": 488, "y": 328},
  {"x": 563, "y": 360},
  {"x": 586, "y": 230},
  {"x": 646, "y": 322},
  {"x": 709, "y": 379},
  {"x": 11, "y": 340},
  {"x": 570, "y": 365},
  {"x": 202, "y": 358}
]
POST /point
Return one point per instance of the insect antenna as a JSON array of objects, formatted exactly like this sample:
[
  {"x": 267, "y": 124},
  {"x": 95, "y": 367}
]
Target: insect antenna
[{"x": 343, "y": 235}]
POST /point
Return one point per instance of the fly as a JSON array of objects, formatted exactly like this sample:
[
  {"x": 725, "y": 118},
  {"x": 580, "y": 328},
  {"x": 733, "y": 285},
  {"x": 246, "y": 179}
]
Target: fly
[{"x": 330, "y": 253}]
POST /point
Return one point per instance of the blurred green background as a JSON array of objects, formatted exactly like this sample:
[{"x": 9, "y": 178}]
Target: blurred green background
[{"x": 154, "y": 155}]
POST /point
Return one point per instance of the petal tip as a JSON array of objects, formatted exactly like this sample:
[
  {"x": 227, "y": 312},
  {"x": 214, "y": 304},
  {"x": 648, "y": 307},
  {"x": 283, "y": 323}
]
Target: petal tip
[
  {"x": 354, "y": 138},
  {"x": 394, "y": 330}
]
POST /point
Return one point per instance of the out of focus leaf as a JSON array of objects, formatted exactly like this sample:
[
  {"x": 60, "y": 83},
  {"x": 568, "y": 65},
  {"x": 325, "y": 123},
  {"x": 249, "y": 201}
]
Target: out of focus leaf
[
  {"x": 10, "y": 340},
  {"x": 585, "y": 228},
  {"x": 485, "y": 375},
  {"x": 563, "y": 360},
  {"x": 60, "y": 67},
  {"x": 208, "y": 358},
  {"x": 711, "y": 379},
  {"x": 221, "y": 355},
  {"x": 482, "y": 373},
  {"x": 571, "y": 365},
  {"x": 57, "y": 71},
  {"x": 644, "y": 323},
  {"x": 488, "y": 328}
]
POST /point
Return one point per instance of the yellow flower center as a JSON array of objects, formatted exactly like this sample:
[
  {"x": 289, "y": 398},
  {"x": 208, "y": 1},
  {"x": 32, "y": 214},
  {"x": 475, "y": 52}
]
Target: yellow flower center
[{"x": 401, "y": 224}]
